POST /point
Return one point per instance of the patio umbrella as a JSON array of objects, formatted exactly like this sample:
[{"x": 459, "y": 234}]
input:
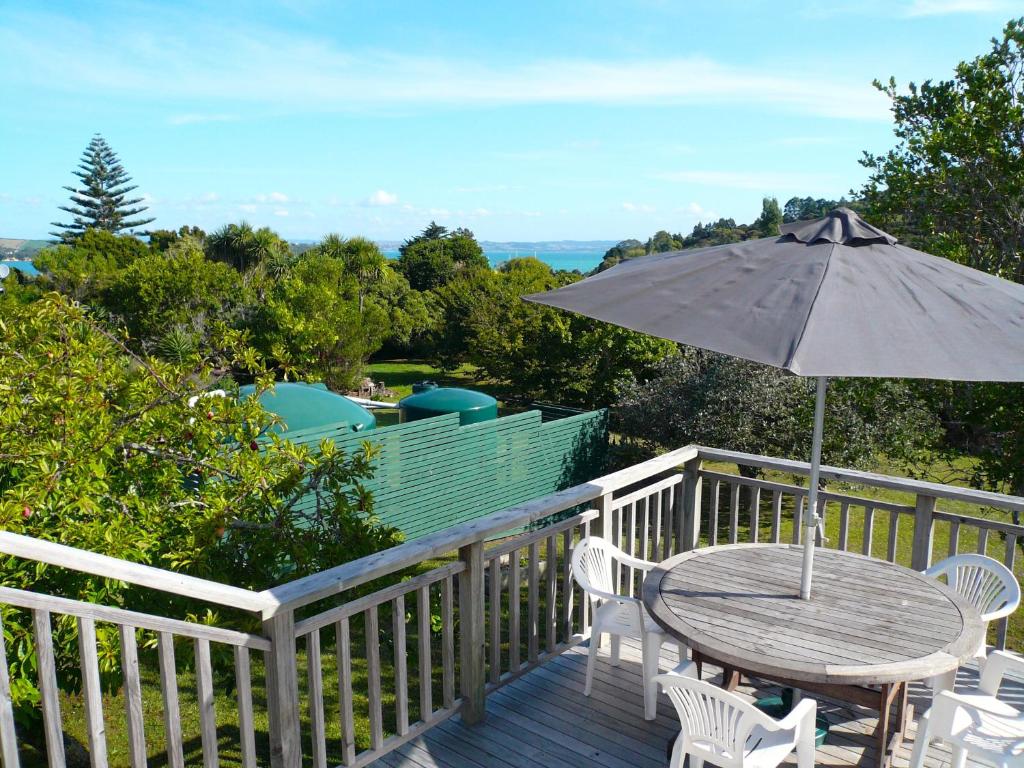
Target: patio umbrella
[{"x": 830, "y": 297}]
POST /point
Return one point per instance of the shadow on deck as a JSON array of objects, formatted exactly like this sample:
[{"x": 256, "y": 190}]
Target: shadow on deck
[{"x": 543, "y": 720}]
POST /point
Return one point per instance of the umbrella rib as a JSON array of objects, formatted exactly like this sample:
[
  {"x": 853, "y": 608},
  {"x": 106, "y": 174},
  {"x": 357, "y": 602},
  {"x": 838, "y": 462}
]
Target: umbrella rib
[{"x": 807, "y": 319}]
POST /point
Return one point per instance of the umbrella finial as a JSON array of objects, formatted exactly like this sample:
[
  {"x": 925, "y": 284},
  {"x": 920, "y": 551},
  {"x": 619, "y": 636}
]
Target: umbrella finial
[{"x": 842, "y": 225}]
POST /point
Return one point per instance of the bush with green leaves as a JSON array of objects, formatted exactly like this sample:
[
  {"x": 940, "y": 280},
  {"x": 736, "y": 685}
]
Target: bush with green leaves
[
  {"x": 103, "y": 451},
  {"x": 725, "y": 402}
]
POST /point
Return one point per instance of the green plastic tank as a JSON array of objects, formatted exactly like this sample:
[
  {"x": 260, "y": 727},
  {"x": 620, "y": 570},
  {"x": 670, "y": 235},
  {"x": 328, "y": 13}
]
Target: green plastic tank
[
  {"x": 428, "y": 400},
  {"x": 306, "y": 406}
]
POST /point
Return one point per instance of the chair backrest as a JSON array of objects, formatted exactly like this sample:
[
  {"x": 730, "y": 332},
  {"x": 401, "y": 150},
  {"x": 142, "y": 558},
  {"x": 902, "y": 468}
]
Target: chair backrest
[
  {"x": 715, "y": 723},
  {"x": 593, "y": 564},
  {"x": 986, "y": 583}
]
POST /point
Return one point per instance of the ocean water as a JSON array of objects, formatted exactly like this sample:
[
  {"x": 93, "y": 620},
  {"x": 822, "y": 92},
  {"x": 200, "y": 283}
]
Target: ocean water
[
  {"x": 584, "y": 261},
  {"x": 24, "y": 266}
]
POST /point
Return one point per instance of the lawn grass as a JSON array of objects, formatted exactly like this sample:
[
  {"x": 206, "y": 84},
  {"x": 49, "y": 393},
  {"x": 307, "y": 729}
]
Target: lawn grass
[{"x": 399, "y": 375}]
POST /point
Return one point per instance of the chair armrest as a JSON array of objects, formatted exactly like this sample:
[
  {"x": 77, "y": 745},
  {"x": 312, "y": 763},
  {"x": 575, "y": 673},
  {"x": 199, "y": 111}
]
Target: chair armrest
[
  {"x": 624, "y": 599},
  {"x": 996, "y": 666},
  {"x": 999, "y": 613},
  {"x": 801, "y": 718},
  {"x": 635, "y": 562}
]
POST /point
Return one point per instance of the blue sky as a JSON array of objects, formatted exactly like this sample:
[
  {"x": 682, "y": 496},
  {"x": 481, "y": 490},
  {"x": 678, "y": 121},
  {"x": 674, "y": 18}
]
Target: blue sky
[{"x": 524, "y": 120}]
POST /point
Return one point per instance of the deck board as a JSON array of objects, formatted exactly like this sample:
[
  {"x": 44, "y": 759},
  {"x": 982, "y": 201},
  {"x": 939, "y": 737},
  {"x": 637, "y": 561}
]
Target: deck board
[{"x": 543, "y": 720}]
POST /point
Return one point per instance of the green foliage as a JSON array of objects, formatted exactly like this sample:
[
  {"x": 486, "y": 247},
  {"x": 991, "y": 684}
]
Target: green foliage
[
  {"x": 163, "y": 239},
  {"x": 179, "y": 288},
  {"x": 101, "y": 202},
  {"x": 954, "y": 186},
  {"x": 102, "y": 451},
  {"x": 250, "y": 250},
  {"x": 435, "y": 256},
  {"x": 767, "y": 224},
  {"x": 712, "y": 399},
  {"x": 361, "y": 260},
  {"x": 87, "y": 265},
  {"x": 802, "y": 208},
  {"x": 311, "y": 326}
]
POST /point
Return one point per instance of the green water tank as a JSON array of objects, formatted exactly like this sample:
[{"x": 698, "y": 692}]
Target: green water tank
[
  {"x": 306, "y": 406},
  {"x": 427, "y": 401}
]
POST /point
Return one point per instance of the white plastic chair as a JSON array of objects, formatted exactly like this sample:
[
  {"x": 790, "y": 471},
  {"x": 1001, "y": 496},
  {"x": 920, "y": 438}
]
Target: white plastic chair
[
  {"x": 988, "y": 585},
  {"x": 976, "y": 723},
  {"x": 593, "y": 566},
  {"x": 720, "y": 727}
]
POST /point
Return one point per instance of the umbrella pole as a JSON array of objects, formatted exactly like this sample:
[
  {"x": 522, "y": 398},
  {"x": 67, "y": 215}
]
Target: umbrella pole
[{"x": 811, "y": 515}]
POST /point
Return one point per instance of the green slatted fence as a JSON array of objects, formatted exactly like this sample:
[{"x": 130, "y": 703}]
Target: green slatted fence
[{"x": 434, "y": 473}]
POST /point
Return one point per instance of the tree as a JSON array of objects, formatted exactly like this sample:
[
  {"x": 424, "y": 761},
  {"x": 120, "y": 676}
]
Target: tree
[
  {"x": 713, "y": 399},
  {"x": 84, "y": 267},
  {"x": 103, "y": 451},
  {"x": 621, "y": 251},
  {"x": 954, "y": 186},
  {"x": 801, "y": 208},
  {"x": 162, "y": 239},
  {"x": 767, "y": 224},
  {"x": 361, "y": 259},
  {"x": 101, "y": 201},
  {"x": 436, "y": 256},
  {"x": 250, "y": 250}
]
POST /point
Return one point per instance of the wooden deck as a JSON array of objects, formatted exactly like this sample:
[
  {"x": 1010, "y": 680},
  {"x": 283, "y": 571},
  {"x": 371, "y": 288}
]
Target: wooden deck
[{"x": 543, "y": 720}]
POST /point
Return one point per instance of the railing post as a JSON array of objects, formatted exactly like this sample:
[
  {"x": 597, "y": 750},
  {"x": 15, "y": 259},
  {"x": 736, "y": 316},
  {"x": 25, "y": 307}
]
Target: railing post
[
  {"x": 691, "y": 504},
  {"x": 471, "y": 633},
  {"x": 283, "y": 692},
  {"x": 606, "y": 522},
  {"x": 921, "y": 554}
]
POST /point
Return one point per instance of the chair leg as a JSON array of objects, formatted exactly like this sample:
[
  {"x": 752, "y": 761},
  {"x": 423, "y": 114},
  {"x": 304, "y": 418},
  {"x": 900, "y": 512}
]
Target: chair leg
[
  {"x": 959, "y": 759},
  {"x": 681, "y": 649},
  {"x": 651, "y": 650},
  {"x": 920, "y": 742},
  {"x": 805, "y": 750},
  {"x": 944, "y": 682},
  {"x": 616, "y": 649},
  {"x": 595, "y": 644}
]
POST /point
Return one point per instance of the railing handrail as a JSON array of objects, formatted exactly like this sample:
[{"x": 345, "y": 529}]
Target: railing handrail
[
  {"x": 84, "y": 561},
  {"x": 310, "y": 589},
  {"x": 909, "y": 485}
]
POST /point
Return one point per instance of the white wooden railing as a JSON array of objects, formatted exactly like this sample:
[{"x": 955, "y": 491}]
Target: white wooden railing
[{"x": 386, "y": 647}]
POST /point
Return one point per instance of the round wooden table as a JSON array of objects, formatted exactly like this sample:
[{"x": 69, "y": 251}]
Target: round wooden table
[{"x": 869, "y": 628}]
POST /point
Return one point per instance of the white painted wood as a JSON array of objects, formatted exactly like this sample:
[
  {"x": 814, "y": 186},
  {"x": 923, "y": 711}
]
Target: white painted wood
[
  {"x": 716, "y": 496},
  {"x": 755, "y": 514},
  {"x": 515, "y": 595},
  {"x": 447, "y": 644},
  {"x": 48, "y": 688},
  {"x": 924, "y": 524},
  {"x": 776, "y": 516},
  {"x": 734, "y": 512},
  {"x": 28, "y": 548},
  {"x": 567, "y": 585},
  {"x": 315, "y": 692},
  {"x": 8, "y": 737},
  {"x": 92, "y": 693},
  {"x": 844, "y": 526},
  {"x": 243, "y": 694},
  {"x": 283, "y": 692},
  {"x": 867, "y": 541},
  {"x": 132, "y": 691},
  {"x": 532, "y": 603},
  {"x": 894, "y": 528},
  {"x": 169, "y": 689},
  {"x": 692, "y": 489},
  {"x": 207, "y": 711},
  {"x": 954, "y": 537},
  {"x": 344, "y": 577},
  {"x": 550, "y": 608},
  {"x": 373, "y": 675}
]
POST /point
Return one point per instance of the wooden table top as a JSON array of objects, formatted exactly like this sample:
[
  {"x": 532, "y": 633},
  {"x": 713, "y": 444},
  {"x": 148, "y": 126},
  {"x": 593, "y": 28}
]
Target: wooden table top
[{"x": 868, "y": 621}]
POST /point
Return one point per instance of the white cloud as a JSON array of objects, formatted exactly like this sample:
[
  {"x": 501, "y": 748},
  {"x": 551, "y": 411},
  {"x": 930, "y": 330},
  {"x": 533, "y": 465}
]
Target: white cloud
[
  {"x": 247, "y": 208},
  {"x": 382, "y": 197},
  {"x": 281, "y": 212},
  {"x": 273, "y": 197},
  {"x": 765, "y": 182},
  {"x": 193, "y": 118},
  {"x": 945, "y": 7},
  {"x": 637, "y": 208},
  {"x": 253, "y": 66},
  {"x": 699, "y": 212}
]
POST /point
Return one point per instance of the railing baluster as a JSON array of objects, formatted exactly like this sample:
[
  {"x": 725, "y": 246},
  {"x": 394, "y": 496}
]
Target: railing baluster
[
  {"x": 1008, "y": 557},
  {"x": 401, "y": 666},
  {"x": 343, "y": 640},
  {"x": 567, "y": 586},
  {"x": 654, "y": 505},
  {"x": 645, "y": 530},
  {"x": 8, "y": 735},
  {"x": 954, "y": 538},
  {"x": 371, "y": 625},
  {"x": 495, "y": 619},
  {"x": 532, "y": 600},
  {"x": 894, "y": 527},
  {"x": 584, "y": 602},
  {"x": 447, "y": 644},
  {"x": 631, "y": 549},
  {"x": 515, "y": 594},
  {"x": 668, "y": 511},
  {"x": 207, "y": 713},
  {"x": 48, "y": 688},
  {"x": 91, "y": 692},
  {"x": 734, "y": 511},
  {"x": 550, "y": 609},
  {"x": 755, "y": 513},
  {"x": 983, "y": 541},
  {"x": 869, "y": 529},
  {"x": 315, "y": 691},
  {"x": 425, "y": 663},
  {"x": 169, "y": 688},
  {"x": 844, "y": 526},
  {"x": 132, "y": 684},
  {"x": 798, "y": 516},
  {"x": 716, "y": 486},
  {"x": 776, "y": 517},
  {"x": 243, "y": 693}
]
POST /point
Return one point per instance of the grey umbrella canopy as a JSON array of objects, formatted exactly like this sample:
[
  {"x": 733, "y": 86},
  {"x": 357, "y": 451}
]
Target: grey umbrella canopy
[{"x": 830, "y": 297}]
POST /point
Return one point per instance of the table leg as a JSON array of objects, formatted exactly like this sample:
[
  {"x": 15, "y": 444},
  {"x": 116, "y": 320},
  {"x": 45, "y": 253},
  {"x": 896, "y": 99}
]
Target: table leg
[
  {"x": 730, "y": 678},
  {"x": 882, "y": 729}
]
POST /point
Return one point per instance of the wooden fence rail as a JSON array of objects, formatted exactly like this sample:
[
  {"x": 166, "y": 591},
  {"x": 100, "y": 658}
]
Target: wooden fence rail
[{"x": 381, "y": 649}]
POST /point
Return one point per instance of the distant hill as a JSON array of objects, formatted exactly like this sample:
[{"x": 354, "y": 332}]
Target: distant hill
[
  {"x": 24, "y": 250},
  {"x": 544, "y": 246}
]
